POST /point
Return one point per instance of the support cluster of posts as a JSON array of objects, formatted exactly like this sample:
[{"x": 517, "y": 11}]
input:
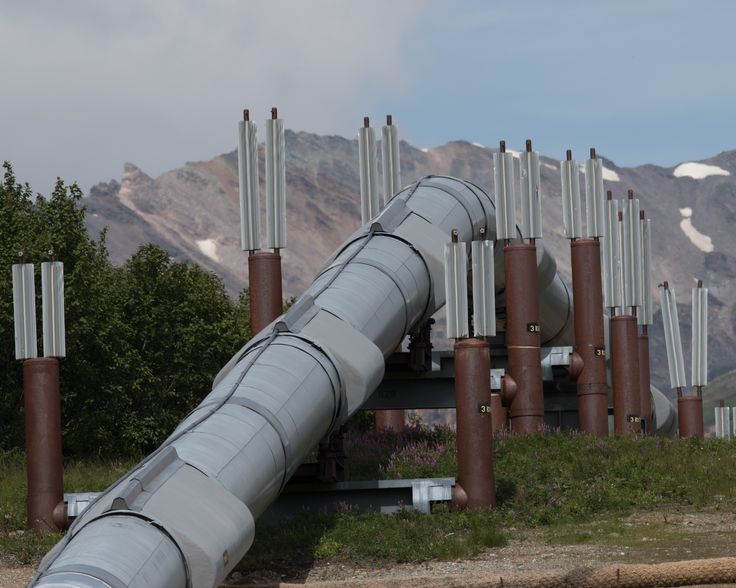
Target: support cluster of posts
[{"x": 611, "y": 266}]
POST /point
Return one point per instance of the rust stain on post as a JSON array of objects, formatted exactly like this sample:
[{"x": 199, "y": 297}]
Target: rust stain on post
[
  {"x": 499, "y": 413},
  {"x": 474, "y": 425},
  {"x": 592, "y": 387},
  {"x": 625, "y": 372},
  {"x": 393, "y": 420},
  {"x": 690, "y": 416},
  {"x": 264, "y": 281},
  {"x": 46, "y": 510},
  {"x": 522, "y": 337}
]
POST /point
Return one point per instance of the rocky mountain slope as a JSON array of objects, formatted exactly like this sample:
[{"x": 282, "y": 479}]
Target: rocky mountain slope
[{"x": 193, "y": 213}]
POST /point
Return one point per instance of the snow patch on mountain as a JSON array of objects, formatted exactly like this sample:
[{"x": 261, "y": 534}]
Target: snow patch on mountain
[
  {"x": 209, "y": 248},
  {"x": 698, "y": 171},
  {"x": 701, "y": 241}
]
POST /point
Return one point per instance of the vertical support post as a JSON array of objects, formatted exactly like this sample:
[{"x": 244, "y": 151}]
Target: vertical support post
[
  {"x": 45, "y": 507},
  {"x": 644, "y": 318},
  {"x": 625, "y": 374},
  {"x": 46, "y": 510},
  {"x": 393, "y": 420},
  {"x": 522, "y": 337},
  {"x": 690, "y": 408},
  {"x": 390, "y": 420},
  {"x": 592, "y": 386},
  {"x": 475, "y": 486},
  {"x": 499, "y": 413},
  {"x": 624, "y": 330},
  {"x": 690, "y": 415},
  {"x": 645, "y": 386},
  {"x": 522, "y": 306},
  {"x": 585, "y": 254},
  {"x": 264, "y": 268},
  {"x": 266, "y": 297}
]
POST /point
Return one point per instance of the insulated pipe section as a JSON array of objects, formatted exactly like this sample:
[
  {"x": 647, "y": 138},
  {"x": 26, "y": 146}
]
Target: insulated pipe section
[{"x": 193, "y": 502}]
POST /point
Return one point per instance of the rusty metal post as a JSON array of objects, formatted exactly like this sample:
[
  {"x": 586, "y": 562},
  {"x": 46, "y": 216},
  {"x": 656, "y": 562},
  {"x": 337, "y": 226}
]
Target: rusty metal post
[
  {"x": 392, "y": 420},
  {"x": 475, "y": 487},
  {"x": 522, "y": 337},
  {"x": 264, "y": 281},
  {"x": 592, "y": 387},
  {"x": 499, "y": 413},
  {"x": 625, "y": 374},
  {"x": 690, "y": 414},
  {"x": 645, "y": 389},
  {"x": 46, "y": 510}
]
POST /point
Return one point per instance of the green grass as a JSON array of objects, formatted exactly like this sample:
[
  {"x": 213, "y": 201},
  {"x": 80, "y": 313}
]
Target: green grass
[
  {"x": 561, "y": 477},
  {"x": 404, "y": 536},
  {"x": 554, "y": 482},
  {"x": 79, "y": 476}
]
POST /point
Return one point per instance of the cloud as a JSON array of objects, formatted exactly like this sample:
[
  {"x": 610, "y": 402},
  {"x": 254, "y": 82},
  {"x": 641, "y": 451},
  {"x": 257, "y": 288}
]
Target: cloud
[{"x": 91, "y": 84}]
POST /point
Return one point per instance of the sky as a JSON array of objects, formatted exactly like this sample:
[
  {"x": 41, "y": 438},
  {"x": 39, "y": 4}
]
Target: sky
[{"x": 86, "y": 85}]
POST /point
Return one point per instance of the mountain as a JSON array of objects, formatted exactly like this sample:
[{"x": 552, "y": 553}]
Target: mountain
[{"x": 192, "y": 212}]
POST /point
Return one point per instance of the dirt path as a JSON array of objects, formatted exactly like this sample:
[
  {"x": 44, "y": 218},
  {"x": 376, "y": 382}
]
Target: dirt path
[{"x": 643, "y": 538}]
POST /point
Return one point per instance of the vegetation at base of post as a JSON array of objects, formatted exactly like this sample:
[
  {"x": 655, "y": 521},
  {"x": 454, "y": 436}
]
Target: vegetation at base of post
[
  {"x": 557, "y": 477},
  {"x": 545, "y": 480}
]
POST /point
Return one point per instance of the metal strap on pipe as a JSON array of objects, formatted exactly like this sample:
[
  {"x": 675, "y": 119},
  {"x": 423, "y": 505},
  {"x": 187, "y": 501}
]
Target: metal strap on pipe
[
  {"x": 531, "y": 199},
  {"x": 644, "y": 316},
  {"x": 612, "y": 293},
  {"x": 700, "y": 337},
  {"x": 505, "y": 187},
  {"x": 571, "y": 214},
  {"x": 632, "y": 253},
  {"x": 72, "y": 572},
  {"x": 369, "y": 204},
  {"x": 672, "y": 339},
  {"x": 24, "y": 311},
  {"x": 456, "y": 289},
  {"x": 275, "y": 184},
  {"x": 452, "y": 192},
  {"x": 484, "y": 289},
  {"x": 594, "y": 198},
  {"x": 250, "y": 217},
  {"x": 52, "y": 297},
  {"x": 390, "y": 162},
  {"x": 272, "y": 420}
]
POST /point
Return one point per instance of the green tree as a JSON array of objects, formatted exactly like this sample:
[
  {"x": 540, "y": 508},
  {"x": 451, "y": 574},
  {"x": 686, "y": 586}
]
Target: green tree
[
  {"x": 181, "y": 327},
  {"x": 144, "y": 340}
]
